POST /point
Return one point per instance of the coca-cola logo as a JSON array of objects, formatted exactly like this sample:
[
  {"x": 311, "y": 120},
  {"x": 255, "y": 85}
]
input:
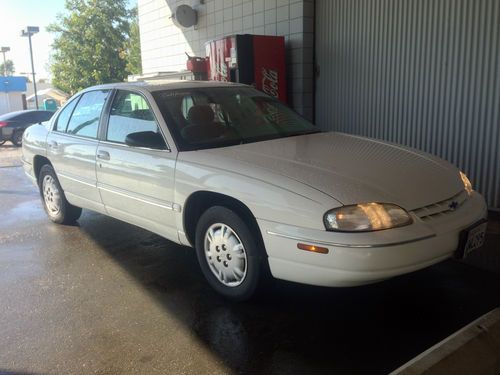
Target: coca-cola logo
[{"x": 270, "y": 82}]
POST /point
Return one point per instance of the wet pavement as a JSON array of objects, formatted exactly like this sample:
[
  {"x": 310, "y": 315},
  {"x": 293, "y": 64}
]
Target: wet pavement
[
  {"x": 9, "y": 155},
  {"x": 105, "y": 297}
]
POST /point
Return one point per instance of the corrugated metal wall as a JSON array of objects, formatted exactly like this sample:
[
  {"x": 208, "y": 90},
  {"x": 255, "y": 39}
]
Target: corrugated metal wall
[{"x": 424, "y": 73}]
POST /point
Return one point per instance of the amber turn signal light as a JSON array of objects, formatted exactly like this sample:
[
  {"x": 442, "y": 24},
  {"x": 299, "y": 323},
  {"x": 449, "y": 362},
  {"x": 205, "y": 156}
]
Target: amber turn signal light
[{"x": 314, "y": 249}]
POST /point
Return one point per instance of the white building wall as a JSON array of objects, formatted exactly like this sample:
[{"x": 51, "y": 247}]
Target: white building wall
[
  {"x": 163, "y": 45},
  {"x": 10, "y": 102}
]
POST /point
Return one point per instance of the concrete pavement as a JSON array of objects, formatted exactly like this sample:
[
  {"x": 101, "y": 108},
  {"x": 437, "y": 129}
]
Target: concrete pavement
[{"x": 10, "y": 155}]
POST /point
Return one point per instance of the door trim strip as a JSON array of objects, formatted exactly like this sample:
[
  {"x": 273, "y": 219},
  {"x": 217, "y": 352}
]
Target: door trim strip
[
  {"x": 63, "y": 175},
  {"x": 168, "y": 206}
]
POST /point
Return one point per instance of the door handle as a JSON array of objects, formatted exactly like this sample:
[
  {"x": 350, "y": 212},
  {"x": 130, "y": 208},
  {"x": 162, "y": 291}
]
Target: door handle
[
  {"x": 53, "y": 144},
  {"x": 103, "y": 155}
]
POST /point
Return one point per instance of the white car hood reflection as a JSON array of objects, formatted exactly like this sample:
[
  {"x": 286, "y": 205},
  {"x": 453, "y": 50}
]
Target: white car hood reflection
[{"x": 350, "y": 169}]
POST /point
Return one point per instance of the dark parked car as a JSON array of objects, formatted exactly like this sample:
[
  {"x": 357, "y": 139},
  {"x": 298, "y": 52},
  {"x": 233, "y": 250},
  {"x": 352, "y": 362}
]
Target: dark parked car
[{"x": 13, "y": 124}]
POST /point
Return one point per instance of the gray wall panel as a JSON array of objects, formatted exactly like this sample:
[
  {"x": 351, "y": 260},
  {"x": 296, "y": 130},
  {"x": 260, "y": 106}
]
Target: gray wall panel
[{"x": 424, "y": 73}]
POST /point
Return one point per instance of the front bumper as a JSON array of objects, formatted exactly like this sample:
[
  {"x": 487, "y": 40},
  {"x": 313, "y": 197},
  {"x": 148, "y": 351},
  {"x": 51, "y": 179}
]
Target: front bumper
[{"x": 364, "y": 258}]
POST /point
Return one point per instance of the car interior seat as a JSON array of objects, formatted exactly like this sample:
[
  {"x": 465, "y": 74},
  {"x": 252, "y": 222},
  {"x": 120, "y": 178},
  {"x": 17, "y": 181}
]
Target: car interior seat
[{"x": 201, "y": 125}]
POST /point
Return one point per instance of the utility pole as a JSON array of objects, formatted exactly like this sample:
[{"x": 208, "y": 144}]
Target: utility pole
[{"x": 28, "y": 32}]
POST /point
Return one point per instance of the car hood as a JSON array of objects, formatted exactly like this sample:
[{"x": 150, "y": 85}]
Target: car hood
[{"x": 351, "y": 169}]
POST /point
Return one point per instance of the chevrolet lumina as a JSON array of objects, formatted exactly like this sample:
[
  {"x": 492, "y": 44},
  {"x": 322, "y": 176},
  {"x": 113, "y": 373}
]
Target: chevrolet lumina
[{"x": 256, "y": 189}]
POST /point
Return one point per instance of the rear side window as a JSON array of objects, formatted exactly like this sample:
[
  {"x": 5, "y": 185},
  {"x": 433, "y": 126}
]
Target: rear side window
[
  {"x": 63, "y": 118},
  {"x": 130, "y": 113},
  {"x": 84, "y": 121}
]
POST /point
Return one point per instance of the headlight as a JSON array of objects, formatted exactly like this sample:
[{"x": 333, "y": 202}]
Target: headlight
[
  {"x": 366, "y": 217},
  {"x": 467, "y": 184}
]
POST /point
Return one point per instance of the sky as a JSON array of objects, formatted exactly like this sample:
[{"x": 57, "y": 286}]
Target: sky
[{"x": 15, "y": 16}]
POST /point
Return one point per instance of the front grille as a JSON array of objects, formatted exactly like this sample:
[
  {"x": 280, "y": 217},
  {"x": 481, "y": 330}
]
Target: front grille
[{"x": 441, "y": 209}]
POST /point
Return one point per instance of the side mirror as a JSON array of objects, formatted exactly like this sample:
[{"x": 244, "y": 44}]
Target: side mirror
[{"x": 147, "y": 139}]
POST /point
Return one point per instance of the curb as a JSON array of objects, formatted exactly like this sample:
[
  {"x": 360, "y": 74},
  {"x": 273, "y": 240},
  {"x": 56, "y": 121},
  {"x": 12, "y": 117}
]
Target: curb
[{"x": 474, "y": 349}]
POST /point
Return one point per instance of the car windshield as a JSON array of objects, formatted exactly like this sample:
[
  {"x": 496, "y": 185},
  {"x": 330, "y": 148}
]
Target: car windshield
[{"x": 223, "y": 116}]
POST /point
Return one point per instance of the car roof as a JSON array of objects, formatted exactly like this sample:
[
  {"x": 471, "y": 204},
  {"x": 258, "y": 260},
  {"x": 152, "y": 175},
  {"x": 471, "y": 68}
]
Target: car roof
[
  {"x": 11, "y": 115},
  {"x": 158, "y": 85}
]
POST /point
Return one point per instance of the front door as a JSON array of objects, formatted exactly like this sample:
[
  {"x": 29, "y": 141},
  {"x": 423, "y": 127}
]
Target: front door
[{"x": 136, "y": 183}]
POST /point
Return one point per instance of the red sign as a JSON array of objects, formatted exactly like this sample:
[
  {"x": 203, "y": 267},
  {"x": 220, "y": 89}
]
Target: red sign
[
  {"x": 269, "y": 65},
  {"x": 270, "y": 82},
  {"x": 266, "y": 71},
  {"x": 219, "y": 54}
]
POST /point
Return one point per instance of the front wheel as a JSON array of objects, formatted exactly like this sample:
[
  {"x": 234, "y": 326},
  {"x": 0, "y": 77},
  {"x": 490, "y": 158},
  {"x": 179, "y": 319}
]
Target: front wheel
[
  {"x": 228, "y": 253},
  {"x": 56, "y": 206}
]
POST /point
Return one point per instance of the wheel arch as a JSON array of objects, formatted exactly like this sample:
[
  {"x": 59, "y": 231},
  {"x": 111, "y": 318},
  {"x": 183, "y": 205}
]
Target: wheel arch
[
  {"x": 38, "y": 162},
  {"x": 198, "y": 202}
]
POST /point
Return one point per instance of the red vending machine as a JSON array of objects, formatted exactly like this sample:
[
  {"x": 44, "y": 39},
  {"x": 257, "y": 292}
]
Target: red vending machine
[{"x": 250, "y": 59}]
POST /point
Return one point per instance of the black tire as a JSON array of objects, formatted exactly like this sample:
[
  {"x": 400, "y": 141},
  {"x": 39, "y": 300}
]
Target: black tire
[
  {"x": 65, "y": 213},
  {"x": 256, "y": 258},
  {"x": 2, "y": 142},
  {"x": 17, "y": 138}
]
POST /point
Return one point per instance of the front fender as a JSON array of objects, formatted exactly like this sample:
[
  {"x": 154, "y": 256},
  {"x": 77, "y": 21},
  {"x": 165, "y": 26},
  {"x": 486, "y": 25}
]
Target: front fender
[
  {"x": 268, "y": 196},
  {"x": 34, "y": 143}
]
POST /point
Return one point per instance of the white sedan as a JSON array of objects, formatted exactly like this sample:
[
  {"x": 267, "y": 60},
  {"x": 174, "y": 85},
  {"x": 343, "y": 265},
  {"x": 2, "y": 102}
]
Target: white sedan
[{"x": 257, "y": 190}]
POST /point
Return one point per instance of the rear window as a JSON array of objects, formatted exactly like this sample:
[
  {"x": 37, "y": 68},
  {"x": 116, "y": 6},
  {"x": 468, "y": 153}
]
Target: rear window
[
  {"x": 10, "y": 116},
  {"x": 36, "y": 116},
  {"x": 27, "y": 116}
]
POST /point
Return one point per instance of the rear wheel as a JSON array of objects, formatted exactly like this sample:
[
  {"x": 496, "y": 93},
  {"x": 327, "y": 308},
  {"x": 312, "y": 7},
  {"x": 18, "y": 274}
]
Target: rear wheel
[
  {"x": 17, "y": 138},
  {"x": 56, "y": 206},
  {"x": 229, "y": 255}
]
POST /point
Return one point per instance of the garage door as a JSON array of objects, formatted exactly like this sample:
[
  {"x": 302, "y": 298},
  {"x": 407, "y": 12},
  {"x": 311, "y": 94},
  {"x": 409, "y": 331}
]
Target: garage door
[{"x": 422, "y": 73}]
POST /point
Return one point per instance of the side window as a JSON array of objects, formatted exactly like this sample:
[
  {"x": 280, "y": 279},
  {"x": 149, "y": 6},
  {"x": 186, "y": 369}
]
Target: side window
[
  {"x": 63, "y": 118},
  {"x": 85, "y": 118},
  {"x": 130, "y": 113}
]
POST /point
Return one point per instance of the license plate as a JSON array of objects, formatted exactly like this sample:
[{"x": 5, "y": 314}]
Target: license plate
[{"x": 472, "y": 239}]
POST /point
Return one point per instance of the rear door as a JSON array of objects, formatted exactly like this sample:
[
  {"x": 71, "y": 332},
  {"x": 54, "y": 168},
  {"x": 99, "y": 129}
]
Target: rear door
[
  {"x": 72, "y": 146},
  {"x": 136, "y": 183}
]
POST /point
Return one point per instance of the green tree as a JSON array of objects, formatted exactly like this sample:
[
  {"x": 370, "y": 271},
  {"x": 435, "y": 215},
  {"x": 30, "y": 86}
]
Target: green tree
[
  {"x": 89, "y": 46},
  {"x": 133, "y": 45},
  {"x": 8, "y": 68}
]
